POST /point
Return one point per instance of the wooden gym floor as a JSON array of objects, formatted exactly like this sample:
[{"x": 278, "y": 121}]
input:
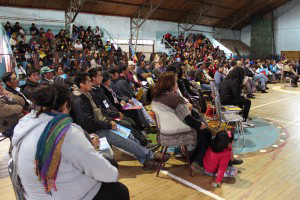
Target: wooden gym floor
[{"x": 272, "y": 175}]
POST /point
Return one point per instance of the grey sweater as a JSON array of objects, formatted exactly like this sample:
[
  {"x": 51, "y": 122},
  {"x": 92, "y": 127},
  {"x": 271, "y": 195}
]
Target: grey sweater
[{"x": 81, "y": 169}]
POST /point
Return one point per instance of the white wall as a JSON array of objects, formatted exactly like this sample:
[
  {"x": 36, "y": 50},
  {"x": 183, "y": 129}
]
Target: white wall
[
  {"x": 287, "y": 27},
  {"x": 118, "y": 27},
  {"x": 246, "y": 35}
]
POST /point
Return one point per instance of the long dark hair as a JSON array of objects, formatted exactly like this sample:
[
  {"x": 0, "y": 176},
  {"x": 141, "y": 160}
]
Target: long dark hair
[
  {"x": 221, "y": 141},
  {"x": 51, "y": 97},
  {"x": 238, "y": 74},
  {"x": 164, "y": 84}
]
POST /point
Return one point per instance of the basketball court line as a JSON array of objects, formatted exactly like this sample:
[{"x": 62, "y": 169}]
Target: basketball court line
[
  {"x": 279, "y": 88},
  {"x": 273, "y": 102},
  {"x": 199, "y": 189},
  {"x": 202, "y": 190},
  {"x": 196, "y": 187}
]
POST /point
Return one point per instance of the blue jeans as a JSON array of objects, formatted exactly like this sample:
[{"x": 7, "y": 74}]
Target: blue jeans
[
  {"x": 205, "y": 86},
  {"x": 147, "y": 116},
  {"x": 262, "y": 79},
  {"x": 130, "y": 145}
]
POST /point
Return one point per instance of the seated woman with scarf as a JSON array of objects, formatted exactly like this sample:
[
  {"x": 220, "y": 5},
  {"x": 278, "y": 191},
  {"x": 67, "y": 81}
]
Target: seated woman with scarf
[
  {"x": 54, "y": 157},
  {"x": 188, "y": 123}
]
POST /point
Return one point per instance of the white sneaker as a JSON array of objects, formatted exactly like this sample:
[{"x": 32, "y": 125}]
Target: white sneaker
[{"x": 248, "y": 124}]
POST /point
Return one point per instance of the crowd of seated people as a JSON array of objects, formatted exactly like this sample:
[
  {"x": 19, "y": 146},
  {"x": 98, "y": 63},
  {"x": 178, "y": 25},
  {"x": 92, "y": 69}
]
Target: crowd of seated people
[
  {"x": 83, "y": 47},
  {"x": 81, "y": 105}
]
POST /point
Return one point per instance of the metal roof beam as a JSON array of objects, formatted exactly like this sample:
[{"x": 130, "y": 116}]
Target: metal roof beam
[
  {"x": 141, "y": 15},
  {"x": 72, "y": 11},
  {"x": 159, "y": 8},
  {"x": 191, "y": 19},
  {"x": 237, "y": 17},
  {"x": 210, "y": 4}
]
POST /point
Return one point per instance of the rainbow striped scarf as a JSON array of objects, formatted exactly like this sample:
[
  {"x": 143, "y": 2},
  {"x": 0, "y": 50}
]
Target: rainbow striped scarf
[{"x": 48, "y": 153}]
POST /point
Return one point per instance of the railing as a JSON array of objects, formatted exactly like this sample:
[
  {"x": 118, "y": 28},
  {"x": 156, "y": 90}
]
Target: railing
[
  {"x": 110, "y": 37},
  {"x": 166, "y": 42}
]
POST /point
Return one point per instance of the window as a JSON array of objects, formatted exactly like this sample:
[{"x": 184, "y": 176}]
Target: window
[{"x": 141, "y": 42}]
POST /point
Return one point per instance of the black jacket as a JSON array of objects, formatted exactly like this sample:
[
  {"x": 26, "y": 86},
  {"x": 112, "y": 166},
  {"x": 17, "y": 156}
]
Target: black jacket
[
  {"x": 43, "y": 80},
  {"x": 230, "y": 89},
  {"x": 28, "y": 89},
  {"x": 115, "y": 87},
  {"x": 100, "y": 99},
  {"x": 188, "y": 86},
  {"x": 125, "y": 87},
  {"x": 83, "y": 114},
  {"x": 248, "y": 72},
  {"x": 110, "y": 97}
]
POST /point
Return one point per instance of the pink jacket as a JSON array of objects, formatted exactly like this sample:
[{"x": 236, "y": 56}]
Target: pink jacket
[{"x": 217, "y": 162}]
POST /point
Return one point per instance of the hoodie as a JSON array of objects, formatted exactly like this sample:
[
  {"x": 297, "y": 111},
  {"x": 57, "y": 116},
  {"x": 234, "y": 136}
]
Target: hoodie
[{"x": 81, "y": 170}]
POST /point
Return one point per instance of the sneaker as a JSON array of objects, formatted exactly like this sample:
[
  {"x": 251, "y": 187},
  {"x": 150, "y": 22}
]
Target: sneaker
[
  {"x": 158, "y": 157},
  {"x": 197, "y": 168},
  {"x": 152, "y": 147},
  {"x": 250, "y": 96},
  {"x": 248, "y": 124},
  {"x": 150, "y": 165},
  {"x": 294, "y": 85},
  {"x": 237, "y": 162},
  {"x": 264, "y": 91}
]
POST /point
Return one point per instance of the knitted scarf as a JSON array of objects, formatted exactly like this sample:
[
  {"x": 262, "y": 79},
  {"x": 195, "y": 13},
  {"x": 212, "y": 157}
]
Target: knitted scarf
[{"x": 48, "y": 154}]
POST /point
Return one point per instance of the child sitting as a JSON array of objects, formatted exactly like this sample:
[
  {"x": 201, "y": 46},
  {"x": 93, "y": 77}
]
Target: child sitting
[{"x": 218, "y": 156}]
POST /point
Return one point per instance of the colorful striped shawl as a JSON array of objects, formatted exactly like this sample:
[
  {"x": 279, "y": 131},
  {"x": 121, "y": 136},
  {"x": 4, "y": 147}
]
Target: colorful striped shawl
[{"x": 48, "y": 154}]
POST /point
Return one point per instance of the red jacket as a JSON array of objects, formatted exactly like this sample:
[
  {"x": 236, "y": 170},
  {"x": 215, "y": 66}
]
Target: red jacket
[
  {"x": 131, "y": 79},
  {"x": 217, "y": 162}
]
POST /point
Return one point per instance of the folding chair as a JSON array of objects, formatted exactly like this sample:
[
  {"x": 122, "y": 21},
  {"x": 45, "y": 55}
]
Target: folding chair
[
  {"x": 228, "y": 118},
  {"x": 235, "y": 109},
  {"x": 285, "y": 80},
  {"x": 165, "y": 147}
]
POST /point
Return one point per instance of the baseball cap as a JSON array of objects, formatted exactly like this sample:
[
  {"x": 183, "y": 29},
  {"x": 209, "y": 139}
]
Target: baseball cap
[
  {"x": 131, "y": 63},
  {"x": 45, "y": 70}
]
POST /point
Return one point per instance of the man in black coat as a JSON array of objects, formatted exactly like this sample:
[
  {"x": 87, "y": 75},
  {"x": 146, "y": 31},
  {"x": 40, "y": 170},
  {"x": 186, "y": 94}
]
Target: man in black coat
[
  {"x": 32, "y": 82},
  {"x": 123, "y": 83},
  {"x": 110, "y": 111},
  {"x": 111, "y": 92},
  {"x": 91, "y": 118}
]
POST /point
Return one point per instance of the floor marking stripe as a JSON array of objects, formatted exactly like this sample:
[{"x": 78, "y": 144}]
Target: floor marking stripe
[
  {"x": 280, "y": 89},
  {"x": 200, "y": 189},
  {"x": 273, "y": 102}
]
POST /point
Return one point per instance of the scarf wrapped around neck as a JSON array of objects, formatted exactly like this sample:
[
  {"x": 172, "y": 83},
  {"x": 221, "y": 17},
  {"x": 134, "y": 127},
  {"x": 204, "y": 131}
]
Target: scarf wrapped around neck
[{"x": 48, "y": 154}]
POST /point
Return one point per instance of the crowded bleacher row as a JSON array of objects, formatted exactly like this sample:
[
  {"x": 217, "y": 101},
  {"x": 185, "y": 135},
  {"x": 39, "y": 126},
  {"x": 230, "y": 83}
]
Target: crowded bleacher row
[
  {"x": 83, "y": 47},
  {"x": 62, "y": 111}
]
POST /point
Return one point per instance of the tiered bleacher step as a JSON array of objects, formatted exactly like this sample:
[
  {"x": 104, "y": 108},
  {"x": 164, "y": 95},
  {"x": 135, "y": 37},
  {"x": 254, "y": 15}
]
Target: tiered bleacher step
[{"x": 236, "y": 46}]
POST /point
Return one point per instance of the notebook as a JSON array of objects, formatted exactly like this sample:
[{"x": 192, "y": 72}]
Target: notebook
[
  {"x": 233, "y": 108},
  {"x": 103, "y": 144},
  {"x": 122, "y": 131}
]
